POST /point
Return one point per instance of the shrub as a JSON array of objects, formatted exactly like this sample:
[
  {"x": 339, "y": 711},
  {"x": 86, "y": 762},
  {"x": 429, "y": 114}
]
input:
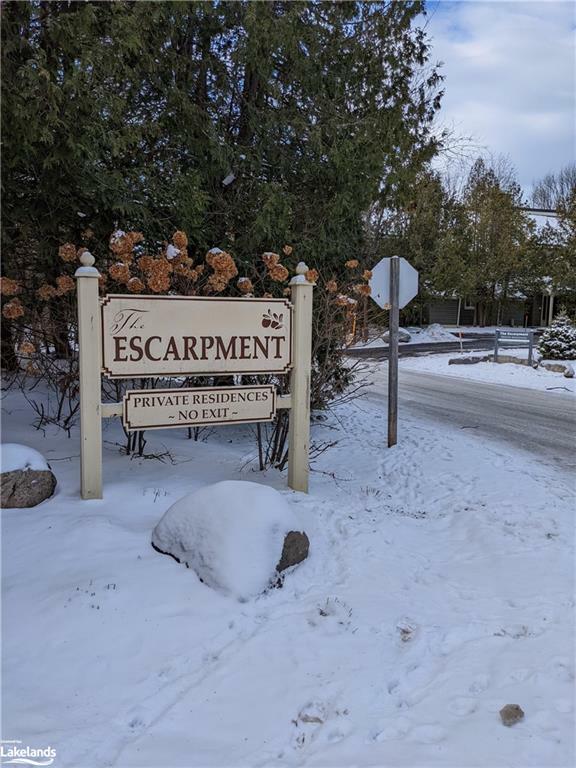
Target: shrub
[
  {"x": 558, "y": 342},
  {"x": 40, "y": 323}
]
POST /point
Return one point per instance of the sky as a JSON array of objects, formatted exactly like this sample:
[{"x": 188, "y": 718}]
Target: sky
[{"x": 509, "y": 72}]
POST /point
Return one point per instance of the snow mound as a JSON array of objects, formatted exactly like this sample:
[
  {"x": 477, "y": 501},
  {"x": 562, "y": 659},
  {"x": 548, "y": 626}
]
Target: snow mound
[
  {"x": 230, "y": 533},
  {"x": 437, "y": 332},
  {"x": 15, "y": 456}
]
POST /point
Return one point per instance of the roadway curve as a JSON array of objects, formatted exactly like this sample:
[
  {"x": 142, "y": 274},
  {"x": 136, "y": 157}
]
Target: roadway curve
[{"x": 543, "y": 423}]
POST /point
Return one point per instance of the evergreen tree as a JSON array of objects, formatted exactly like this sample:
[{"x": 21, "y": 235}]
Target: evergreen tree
[
  {"x": 485, "y": 248},
  {"x": 246, "y": 124},
  {"x": 558, "y": 342}
]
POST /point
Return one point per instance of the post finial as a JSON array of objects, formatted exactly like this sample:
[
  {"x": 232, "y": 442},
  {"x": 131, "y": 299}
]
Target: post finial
[
  {"x": 86, "y": 259},
  {"x": 300, "y": 276}
]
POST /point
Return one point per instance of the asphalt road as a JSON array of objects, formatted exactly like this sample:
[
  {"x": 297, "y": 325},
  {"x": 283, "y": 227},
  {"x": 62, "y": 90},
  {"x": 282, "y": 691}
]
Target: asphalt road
[{"x": 543, "y": 423}]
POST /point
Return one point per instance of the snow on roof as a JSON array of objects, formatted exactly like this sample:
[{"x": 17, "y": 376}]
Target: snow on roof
[{"x": 543, "y": 217}]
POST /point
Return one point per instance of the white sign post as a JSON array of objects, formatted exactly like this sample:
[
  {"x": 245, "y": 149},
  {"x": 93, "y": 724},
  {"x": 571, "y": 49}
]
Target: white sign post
[
  {"x": 128, "y": 336},
  {"x": 393, "y": 284}
]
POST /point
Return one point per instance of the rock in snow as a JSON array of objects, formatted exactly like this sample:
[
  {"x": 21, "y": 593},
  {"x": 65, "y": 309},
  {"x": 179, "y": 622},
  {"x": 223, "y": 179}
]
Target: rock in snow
[
  {"x": 236, "y": 536},
  {"x": 26, "y": 478},
  {"x": 403, "y": 336},
  {"x": 511, "y": 714}
]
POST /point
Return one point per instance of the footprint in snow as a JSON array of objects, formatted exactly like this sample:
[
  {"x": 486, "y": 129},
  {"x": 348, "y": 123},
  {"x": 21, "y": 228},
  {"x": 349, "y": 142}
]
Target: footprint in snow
[
  {"x": 561, "y": 669},
  {"x": 332, "y": 617},
  {"x": 462, "y": 706},
  {"x": 480, "y": 683},
  {"x": 520, "y": 675},
  {"x": 564, "y": 706},
  {"x": 428, "y": 734},
  {"x": 310, "y": 722},
  {"x": 394, "y": 730},
  {"x": 407, "y": 629}
]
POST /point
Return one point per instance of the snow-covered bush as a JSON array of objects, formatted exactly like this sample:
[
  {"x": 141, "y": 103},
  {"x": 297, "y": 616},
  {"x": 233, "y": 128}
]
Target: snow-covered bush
[
  {"x": 230, "y": 533},
  {"x": 558, "y": 342}
]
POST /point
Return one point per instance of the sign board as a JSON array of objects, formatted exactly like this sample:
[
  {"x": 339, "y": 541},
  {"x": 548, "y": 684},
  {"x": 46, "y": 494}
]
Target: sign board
[
  {"x": 380, "y": 283},
  {"x": 148, "y": 336},
  {"x": 519, "y": 334},
  {"x": 517, "y": 338},
  {"x": 165, "y": 408},
  {"x": 127, "y": 336}
]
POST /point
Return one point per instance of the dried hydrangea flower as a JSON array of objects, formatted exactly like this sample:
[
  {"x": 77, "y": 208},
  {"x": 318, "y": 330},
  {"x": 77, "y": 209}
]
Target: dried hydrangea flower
[
  {"x": 9, "y": 287},
  {"x": 65, "y": 284},
  {"x": 362, "y": 289},
  {"x": 180, "y": 239},
  {"x": 216, "y": 283},
  {"x": 278, "y": 273},
  {"x": 119, "y": 272},
  {"x": 160, "y": 267},
  {"x": 46, "y": 292},
  {"x": 26, "y": 348},
  {"x": 122, "y": 243},
  {"x": 13, "y": 309},
  {"x": 367, "y": 274},
  {"x": 145, "y": 263},
  {"x": 158, "y": 283},
  {"x": 351, "y": 264},
  {"x": 135, "y": 285},
  {"x": 184, "y": 271},
  {"x": 245, "y": 285},
  {"x": 331, "y": 286},
  {"x": 312, "y": 275},
  {"x": 270, "y": 259},
  {"x": 341, "y": 300},
  {"x": 287, "y": 250},
  {"x": 67, "y": 252}
]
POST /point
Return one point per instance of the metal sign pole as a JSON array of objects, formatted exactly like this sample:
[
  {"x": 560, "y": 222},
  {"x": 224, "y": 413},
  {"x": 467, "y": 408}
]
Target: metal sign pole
[{"x": 394, "y": 318}]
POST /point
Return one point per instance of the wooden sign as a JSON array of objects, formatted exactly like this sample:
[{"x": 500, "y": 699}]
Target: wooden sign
[
  {"x": 148, "y": 336},
  {"x": 165, "y": 408}
]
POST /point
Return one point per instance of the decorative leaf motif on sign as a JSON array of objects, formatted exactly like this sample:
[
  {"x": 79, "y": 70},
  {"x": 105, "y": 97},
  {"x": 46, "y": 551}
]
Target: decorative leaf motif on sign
[{"x": 272, "y": 320}]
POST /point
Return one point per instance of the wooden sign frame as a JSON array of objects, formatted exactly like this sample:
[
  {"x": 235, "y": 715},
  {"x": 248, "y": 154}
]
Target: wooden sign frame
[{"x": 92, "y": 410}]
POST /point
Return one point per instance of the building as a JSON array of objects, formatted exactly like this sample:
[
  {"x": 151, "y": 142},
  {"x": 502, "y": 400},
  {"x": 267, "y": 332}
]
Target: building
[{"x": 518, "y": 310}]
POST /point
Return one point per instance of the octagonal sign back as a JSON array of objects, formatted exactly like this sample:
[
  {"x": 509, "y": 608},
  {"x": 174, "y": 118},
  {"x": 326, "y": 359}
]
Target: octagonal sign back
[{"x": 380, "y": 283}]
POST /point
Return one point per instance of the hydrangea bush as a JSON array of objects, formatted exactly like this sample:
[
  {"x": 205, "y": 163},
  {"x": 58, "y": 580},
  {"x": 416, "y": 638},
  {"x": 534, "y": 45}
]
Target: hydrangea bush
[{"x": 41, "y": 315}]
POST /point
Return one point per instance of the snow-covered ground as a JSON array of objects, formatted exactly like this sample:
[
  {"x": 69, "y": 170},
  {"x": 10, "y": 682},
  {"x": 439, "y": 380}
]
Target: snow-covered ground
[
  {"x": 511, "y": 374},
  {"x": 439, "y": 588}
]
